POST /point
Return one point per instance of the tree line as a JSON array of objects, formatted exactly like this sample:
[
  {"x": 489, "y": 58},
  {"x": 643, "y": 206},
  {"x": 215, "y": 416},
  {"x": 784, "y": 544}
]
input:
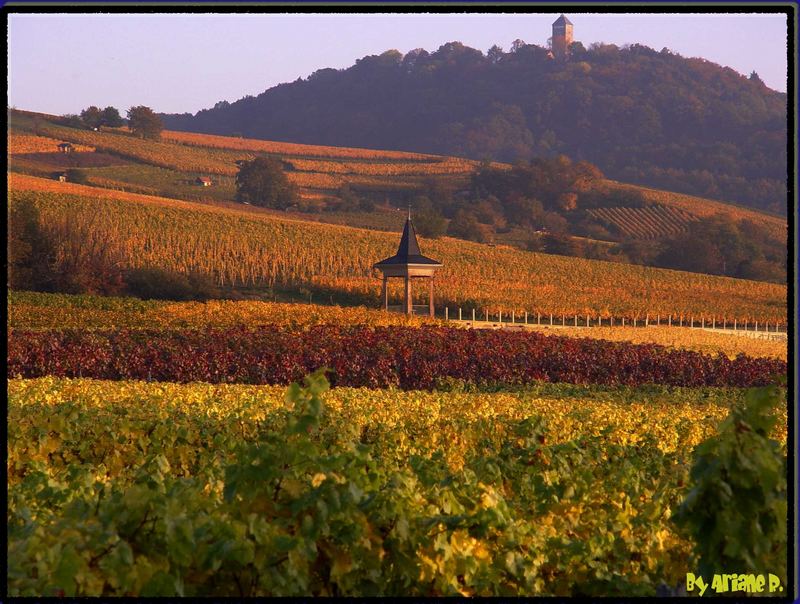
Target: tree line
[{"x": 141, "y": 120}]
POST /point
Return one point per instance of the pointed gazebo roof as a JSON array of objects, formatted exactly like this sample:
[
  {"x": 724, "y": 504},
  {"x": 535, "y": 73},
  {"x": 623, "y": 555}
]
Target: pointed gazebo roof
[{"x": 408, "y": 252}]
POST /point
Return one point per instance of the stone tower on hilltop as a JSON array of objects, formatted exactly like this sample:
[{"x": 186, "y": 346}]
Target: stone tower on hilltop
[{"x": 562, "y": 37}]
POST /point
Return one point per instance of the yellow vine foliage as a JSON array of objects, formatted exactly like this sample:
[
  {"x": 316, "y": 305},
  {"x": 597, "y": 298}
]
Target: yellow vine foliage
[
  {"x": 408, "y": 423},
  {"x": 37, "y": 311},
  {"x": 700, "y": 340},
  {"x": 246, "y": 249}
]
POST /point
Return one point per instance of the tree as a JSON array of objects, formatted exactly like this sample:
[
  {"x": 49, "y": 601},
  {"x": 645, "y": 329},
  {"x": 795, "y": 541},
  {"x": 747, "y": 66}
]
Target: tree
[
  {"x": 428, "y": 220},
  {"x": 466, "y": 226},
  {"x": 77, "y": 176},
  {"x": 92, "y": 117},
  {"x": 262, "y": 182},
  {"x": 111, "y": 117},
  {"x": 144, "y": 123}
]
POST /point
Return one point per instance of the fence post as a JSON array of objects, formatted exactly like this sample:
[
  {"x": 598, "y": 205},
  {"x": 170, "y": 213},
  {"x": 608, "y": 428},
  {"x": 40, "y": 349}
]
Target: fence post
[
  {"x": 587, "y": 320},
  {"x": 446, "y": 314},
  {"x": 658, "y": 320},
  {"x": 500, "y": 316},
  {"x": 734, "y": 324},
  {"x": 487, "y": 315},
  {"x": 692, "y": 323},
  {"x": 526, "y": 317},
  {"x": 669, "y": 321},
  {"x": 538, "y": 318},
  {"x": 714, "y": 322},
  {"x": 562, "y": 321},
  {"x": 756, "y": 329},
  {"x": 512, "y": 317},
  {"x": 459, "y": 313},
  {"x": 576, "y": 320},
  {"x": 647, "y": 320},
  {"x": 623, "y": 321},
  {"x": 473, "y": 315},
  {"x": 634, "y": 321},
  {"x": 703, "y": 322},
  {"x": 611, "y": 321},
  {"x": 551, "y": 318}
]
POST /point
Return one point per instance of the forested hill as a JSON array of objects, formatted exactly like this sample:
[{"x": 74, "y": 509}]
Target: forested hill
[{"x": 643, "y": 116}]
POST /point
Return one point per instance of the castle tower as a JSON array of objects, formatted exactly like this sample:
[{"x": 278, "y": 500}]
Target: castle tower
[{"x": 562, "y": 37}]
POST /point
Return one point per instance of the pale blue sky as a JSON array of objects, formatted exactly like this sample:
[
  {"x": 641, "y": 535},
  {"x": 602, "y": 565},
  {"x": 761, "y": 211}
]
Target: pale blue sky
[{"x": 178, "y": 63}]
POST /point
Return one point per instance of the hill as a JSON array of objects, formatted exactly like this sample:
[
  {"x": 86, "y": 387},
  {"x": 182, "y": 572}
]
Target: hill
[
  {"x": 645, "y": 117},
  {"x": 363, "y": 188},
  {"x": 100, "y": 231}
]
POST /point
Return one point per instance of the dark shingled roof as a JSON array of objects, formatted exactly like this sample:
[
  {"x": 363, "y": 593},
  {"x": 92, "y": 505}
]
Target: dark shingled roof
[
  {"x": 562, "y": 20},
  {"x": 408, "y": 252}
]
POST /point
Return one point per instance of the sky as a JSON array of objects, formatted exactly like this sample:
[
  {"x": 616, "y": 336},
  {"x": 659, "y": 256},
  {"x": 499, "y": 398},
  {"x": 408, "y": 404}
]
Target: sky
[{"x": 183, "y": 63}]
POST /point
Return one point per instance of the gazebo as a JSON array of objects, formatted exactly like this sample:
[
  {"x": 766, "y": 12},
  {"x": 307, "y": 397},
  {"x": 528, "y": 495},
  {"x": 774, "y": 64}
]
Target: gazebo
[{"x": 409, "y": 264}]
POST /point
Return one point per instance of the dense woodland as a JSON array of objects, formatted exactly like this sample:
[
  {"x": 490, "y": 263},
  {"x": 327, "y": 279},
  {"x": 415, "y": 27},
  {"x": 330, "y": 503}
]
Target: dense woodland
[{"x": 642, "y": 116}]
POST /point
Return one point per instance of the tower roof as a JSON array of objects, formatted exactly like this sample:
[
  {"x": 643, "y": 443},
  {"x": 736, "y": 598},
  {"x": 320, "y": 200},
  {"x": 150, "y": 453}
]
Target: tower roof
[
  {"x": 562, "y": 20},
  {"x": 408, "y": 252}
]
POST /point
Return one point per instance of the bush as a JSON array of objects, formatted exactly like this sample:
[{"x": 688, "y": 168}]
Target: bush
[
  {"x": 158, "y": 284},
  {"x": 77, "y": 176}
]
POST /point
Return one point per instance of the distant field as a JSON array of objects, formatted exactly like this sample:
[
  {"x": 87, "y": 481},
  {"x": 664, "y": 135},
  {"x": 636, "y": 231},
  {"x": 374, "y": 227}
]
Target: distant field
[
  {"x": 313, "y": 168},
  {"x": 243, "y": 248}
]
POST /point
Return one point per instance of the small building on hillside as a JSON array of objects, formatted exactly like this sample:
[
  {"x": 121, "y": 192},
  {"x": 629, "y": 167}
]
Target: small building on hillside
[
  {"x": 65, "y": 147},
  {"x": 203, "y": 181},
  {"x": 408, "y": 263},
  {"x": 62, "y": 177}
]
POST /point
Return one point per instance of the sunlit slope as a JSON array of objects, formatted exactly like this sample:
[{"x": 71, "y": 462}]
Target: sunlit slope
[{"x": 238, "y": 248}]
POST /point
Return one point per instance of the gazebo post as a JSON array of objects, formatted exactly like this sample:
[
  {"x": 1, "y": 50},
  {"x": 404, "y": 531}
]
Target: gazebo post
[{"x": 408, "y": 263}]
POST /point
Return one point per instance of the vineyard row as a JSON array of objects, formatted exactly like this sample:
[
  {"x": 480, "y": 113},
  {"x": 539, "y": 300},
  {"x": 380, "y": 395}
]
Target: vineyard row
[{"x": 409, "y": 358}]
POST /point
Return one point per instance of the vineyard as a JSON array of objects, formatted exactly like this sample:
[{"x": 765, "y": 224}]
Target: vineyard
[
  {"x": 649, "y": 222},
  {"x": 379, "y": 357},
  {"x": 241, "y": 248},
  {"x": 38, "y": 311},
  {"x": 23, "y": 143},
  {"x": 705, "y": 208},
  {"x": 129, "y": 488}
]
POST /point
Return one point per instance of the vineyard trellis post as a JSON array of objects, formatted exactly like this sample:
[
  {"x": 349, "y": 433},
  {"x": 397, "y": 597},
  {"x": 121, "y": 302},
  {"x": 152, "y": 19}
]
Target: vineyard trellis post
[
  {"x": 459, "y": 313},
  {"x": 446, "y": 314},
  {"x": 473, "y": 315},
  {"x": 512, "y": 317},
  {"x": 526, "y": 317}
]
